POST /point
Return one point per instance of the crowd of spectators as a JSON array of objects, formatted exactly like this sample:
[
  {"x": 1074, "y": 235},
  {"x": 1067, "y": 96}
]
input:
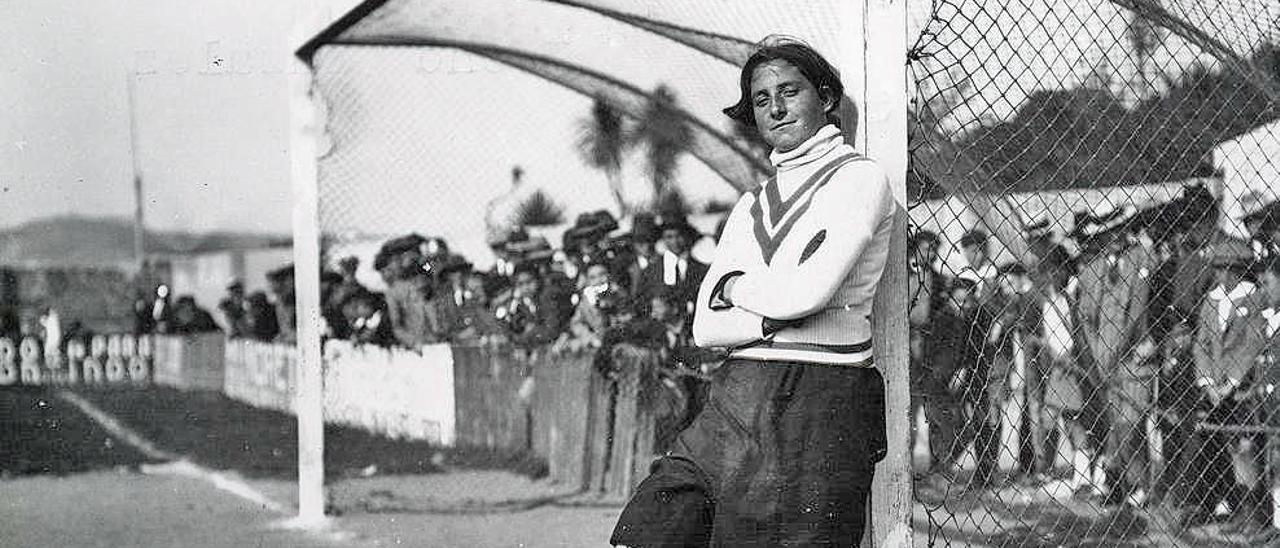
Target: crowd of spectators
[
  {"x": 1118, "y": 347},
  {"x": 600, "y": 288}
]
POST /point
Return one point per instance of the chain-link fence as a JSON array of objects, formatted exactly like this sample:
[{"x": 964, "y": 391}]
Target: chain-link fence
[{"x": 1094, "y": 298}]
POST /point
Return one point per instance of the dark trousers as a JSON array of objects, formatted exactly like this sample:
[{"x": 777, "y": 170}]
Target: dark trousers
[
  {"x": 1129, "y": 402},
  {"x": 782, "y": 455}
]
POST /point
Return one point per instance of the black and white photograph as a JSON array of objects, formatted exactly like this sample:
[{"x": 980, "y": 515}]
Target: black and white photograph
[{"x": 642, "y": 274}]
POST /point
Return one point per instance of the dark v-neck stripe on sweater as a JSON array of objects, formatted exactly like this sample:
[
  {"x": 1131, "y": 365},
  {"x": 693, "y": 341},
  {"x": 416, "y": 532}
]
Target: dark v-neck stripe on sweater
[{"x": 769, "y": 244}]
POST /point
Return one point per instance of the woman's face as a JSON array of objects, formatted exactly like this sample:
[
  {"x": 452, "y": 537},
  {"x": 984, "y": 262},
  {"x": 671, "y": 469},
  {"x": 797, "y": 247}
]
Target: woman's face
[{"x": 788, "y": 109}]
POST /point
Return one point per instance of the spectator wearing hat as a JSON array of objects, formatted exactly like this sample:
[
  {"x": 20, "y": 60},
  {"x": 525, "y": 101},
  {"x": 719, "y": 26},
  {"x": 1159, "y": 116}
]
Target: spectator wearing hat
[
  {"x": 976, "y": 248},
  {"x": 643, "y": 239},
  {"x": 414, "y": 319},
  {"x": 926, "y": 288},
  {"x": 1061, "y": 414},
  {"x": 260, "y": 318},
  {"x": 675, "y": 268},
  {"x": 331, "y": 300},
  {"x": 1007, "y": 322},
  {"x": 1114, "y": 289},
  {"x": 1230, "y": 335},
  {"x": 938, "y": 384},
  {"x": 1020, "y": 308},
  {"x": 498, "y": 278},
  {"x": 234, "y": 310},
  {"x": 535, "y": 314},
  {"x": 462, "y": 304},
  {"x": 281, "y": 284},
  {"x": 600, "y": 304},
  {"x": 189, "y": 318},
  {"x": 586, "y": 241},
  {"x": 367, "y": 314},
  {"x": 348, "y": 284}
]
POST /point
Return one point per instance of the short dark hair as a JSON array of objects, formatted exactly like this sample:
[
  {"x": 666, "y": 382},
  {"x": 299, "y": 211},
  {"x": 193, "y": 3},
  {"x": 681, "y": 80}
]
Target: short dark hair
[{"x": 808, "y": 61}]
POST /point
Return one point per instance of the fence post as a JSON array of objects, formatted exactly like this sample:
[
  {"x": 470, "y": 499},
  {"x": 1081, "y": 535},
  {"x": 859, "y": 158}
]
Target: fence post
[{"x": 872, "y": 58}]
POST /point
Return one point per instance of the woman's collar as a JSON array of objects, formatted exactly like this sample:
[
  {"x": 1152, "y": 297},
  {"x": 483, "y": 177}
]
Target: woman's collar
[{"x": 825, "y": 140}]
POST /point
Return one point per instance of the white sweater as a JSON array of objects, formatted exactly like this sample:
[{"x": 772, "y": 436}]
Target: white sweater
[{"x": 810, "y": 243}]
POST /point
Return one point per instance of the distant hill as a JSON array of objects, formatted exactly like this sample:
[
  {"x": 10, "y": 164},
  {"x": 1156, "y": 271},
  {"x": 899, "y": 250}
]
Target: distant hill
[{"x": 108, "y": 242}]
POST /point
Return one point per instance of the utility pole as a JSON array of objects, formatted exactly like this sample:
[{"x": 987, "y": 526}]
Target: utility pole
[{"x": 139, "y": 224}]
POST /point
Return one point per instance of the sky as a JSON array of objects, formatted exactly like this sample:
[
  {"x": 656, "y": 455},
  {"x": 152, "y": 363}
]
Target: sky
[
  {"x": 212, "y": 142},
  {"x": 430, "y": 134},
  {"x": 211, "y": 119}
]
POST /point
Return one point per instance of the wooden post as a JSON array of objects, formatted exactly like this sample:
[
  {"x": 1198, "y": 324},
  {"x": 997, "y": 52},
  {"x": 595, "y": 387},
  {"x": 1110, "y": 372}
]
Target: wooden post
[
  {"x": 872, "y": 59},
  {"x": 308, "y": 403}
]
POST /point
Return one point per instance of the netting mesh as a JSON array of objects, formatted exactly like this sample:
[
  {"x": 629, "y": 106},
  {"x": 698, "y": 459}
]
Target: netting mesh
[
  {"x": 1102, "y": 376},
  {"x": 1119, "y": 152}
]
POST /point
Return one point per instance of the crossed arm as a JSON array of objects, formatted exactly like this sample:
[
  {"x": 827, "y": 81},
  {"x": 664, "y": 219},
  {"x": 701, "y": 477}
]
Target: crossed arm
[{"x": 742, "y": 301}]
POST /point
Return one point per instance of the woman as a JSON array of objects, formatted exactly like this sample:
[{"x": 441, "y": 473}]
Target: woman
[{"x": 784, "y": 452}]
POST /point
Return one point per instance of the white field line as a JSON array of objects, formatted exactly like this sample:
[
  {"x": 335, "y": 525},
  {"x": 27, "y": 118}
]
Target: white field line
[
  {"x": 177, "y": 466},
  {"x": 115, "y": 428}
]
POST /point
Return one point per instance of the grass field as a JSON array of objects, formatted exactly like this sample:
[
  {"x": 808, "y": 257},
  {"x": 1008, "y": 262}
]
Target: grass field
[
  {"x": 41, "y": 434},
  {"x": 224, "y": 434}
]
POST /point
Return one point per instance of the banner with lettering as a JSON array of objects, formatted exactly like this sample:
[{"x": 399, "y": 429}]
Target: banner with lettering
[{"x": 119, "y": 359}]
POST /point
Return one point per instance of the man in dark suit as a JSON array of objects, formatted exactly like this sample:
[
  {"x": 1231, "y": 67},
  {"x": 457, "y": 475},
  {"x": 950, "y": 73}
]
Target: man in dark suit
[
  {"x": 643, "y": 240},
  {"x": 1114, "y": 287},
  {"x": 1230, "y": 335},
  {"x": 674, "y": 268}
]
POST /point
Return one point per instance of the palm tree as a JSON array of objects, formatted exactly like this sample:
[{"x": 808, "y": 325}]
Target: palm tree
[
  {"x": 665, "y": 137},
  {"x": 539, "y": 209},
  {"x": 601, "y": 142}
]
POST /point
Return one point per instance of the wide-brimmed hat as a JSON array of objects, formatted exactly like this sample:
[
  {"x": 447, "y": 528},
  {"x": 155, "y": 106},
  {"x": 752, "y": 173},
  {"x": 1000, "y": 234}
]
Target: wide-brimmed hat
[
  {"x": 281, "y": 274},
  {"x": 1196, "y": 207},
  {"x": 1092, "y": 225},
  {"x": 452, "y": 263},
  {"x": 590, "y": 226},
  {"x": 1037, "y": 227},
  {"x": 402, "y": 244},
  {"x": 531, "y": 249},
  {"x": 677, "y": 222}
]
